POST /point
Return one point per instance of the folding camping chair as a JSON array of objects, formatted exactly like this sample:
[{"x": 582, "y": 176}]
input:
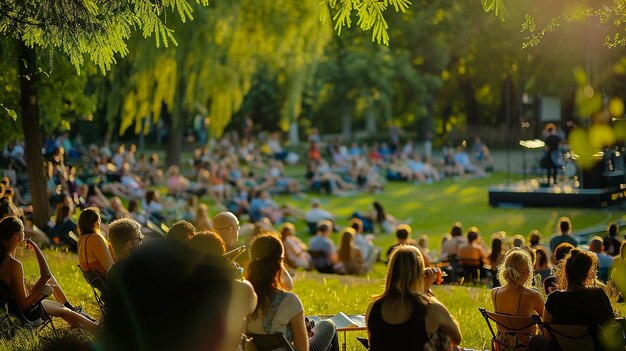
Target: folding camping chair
[
  {"x": 16, "y": 318},
  {"x": 572, "y": 337},
  {"x": 508, "y": 324},
  {"x": 269, "y": 342},
  {"x": 99, "y": 287}
]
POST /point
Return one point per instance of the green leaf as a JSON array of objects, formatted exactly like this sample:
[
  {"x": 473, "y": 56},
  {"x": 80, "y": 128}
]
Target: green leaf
[{"x": 10, "y": 112}]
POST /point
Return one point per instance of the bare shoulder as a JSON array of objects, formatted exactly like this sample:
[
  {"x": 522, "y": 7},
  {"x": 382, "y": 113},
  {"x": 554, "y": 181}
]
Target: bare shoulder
[
  {"x": 436, "y": 306},
  {"x": 534, "y": 293},
  {"x": 242, "y": 287},
  {"x": 14, "y": 263}
]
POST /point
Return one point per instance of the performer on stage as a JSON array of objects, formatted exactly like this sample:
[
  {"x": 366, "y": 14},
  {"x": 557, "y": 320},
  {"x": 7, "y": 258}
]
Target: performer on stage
[{"x": 552, "y": 158}]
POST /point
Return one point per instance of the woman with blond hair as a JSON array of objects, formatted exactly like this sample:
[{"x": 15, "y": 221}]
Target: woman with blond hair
[
  {"x": 349, "y": 254},
  {"x": 516, "y": 298},
  {"x": 203, "y": 221},
  {"x": 405, "y": 316},
  {"x": 296, "y": 254}
]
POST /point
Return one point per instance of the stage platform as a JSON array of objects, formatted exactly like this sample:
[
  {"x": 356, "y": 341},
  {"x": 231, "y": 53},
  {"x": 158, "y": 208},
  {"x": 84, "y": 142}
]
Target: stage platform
[{"x": 529, "y": 193}]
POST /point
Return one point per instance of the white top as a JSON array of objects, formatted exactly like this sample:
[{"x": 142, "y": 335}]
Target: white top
[
  {"x": 288, "y": 308},
  {"x": 451, "y": 247},
  {"x": 364, "y": 245},
  {"x": 315, "y": 215}
]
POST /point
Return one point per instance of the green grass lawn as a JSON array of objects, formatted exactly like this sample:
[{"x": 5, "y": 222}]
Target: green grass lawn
[{"x": 432, "y": 207}]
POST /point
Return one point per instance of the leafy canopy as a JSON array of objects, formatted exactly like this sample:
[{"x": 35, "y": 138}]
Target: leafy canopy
[
  {"x": 370, "y": 15},
  {"x": 96, "y": 28}
]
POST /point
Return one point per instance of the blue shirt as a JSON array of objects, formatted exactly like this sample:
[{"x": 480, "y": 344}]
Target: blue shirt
[{"x": 562, "y": 238}]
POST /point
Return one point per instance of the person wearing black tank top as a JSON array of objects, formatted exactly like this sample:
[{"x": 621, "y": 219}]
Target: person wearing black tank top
[
  {"x": 516, "y": 298},
  {"x": 405, "y": 316}
]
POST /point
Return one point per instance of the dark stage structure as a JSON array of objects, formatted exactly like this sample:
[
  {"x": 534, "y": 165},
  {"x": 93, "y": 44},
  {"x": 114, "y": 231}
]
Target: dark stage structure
[{"x": 602, "y": 185}]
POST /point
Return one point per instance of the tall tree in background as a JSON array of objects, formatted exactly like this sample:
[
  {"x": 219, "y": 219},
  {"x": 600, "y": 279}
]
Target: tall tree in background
[
  {"x": 97, "y": 29},
  {"x": 213, "y": 70}
]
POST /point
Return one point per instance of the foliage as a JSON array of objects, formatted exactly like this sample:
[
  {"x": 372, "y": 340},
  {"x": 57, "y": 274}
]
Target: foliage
[
  {"x": 370, "y": 14},
  {"x": 214, "y": 69},
  {"x": 96, "y": 28},
  {"x": 62, "y": 94},
  {"x": 541, "y": 19}
]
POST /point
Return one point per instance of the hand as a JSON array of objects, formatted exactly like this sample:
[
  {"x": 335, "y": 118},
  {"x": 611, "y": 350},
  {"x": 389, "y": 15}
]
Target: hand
[
  {"x": 30, "y": 244},
  {"x": 433, "y": 275}
]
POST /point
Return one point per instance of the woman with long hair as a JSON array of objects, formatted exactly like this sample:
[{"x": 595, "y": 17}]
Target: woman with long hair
[
  {"x": 280, "y": 311},
  {"x": 405, "y": 316},
  {"x": 515, "y": 297},
  {"x": 296, "y": 254},
  {"x": 63, "y": 225},
  {"x": 12, "y": 274},
  {"x": 94, "y": 251},
  {"x": 350, "y": 254},
  {"x": 576, "y": 280},
  {"x": 542, "y": 262},
  {"x": 495, "y": 258},
  {"x": 576, "y": 284},
  {"x": 203, "y": 221}
]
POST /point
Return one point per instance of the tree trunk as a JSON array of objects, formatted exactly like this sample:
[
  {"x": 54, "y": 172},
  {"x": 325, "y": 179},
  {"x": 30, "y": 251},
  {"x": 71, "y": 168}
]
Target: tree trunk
[
  {"x": 471, "y": 105},
  {"x": 346, "y": 126},
  {"x": 294, "y": 132},
  {"x": 27, "y": 62},
  {"x": 178, "y": 120},
  {"x": 370, "y": 121},
  {"x": 425, "y": 129}
]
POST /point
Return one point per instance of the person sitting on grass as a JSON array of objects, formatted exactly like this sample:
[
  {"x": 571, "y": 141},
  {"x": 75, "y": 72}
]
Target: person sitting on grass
[
  {"x": 168, "y": 296},
  {"x": 349, "y": 254},
  {"x": 611, "y": 241},
  {"x": 516, "y": 298},
  {"x": 126, "y": 236},
  {"x": 181, "y": 231},
  {"x": 474, "y": 252},
  {"x": 323, "y": 250},
  {"x": 243, "y": 299},
  {"x": 280, "y": 311},
  {"x": 296, "y": 254},
  {"x": 94, "y": 251},
  {"x": 406, "y": 316},
  {"x": 63, "y": 225},
  {"x": 542, "y": 263},
  {"x": 576, "y": 283},
  {"x": 370, "y": 253},
  {"x": 605, "y": 262},
  {"x": 403, "y": 234},
  {"x": 12, "y": 274},
  {"x": 495, "y": 257},
  {"x": 565, "y": 234}
]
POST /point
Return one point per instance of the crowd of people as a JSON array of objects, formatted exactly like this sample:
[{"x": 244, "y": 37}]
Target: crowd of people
[
  {"x": 239, "y": 174},
  {"x": 250, "y": 292},
  {"x": 258, "y": 299}
]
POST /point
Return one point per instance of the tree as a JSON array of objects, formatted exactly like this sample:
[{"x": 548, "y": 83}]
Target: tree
[
  {"x": 97, "y": 29},
  {"x": 213, "y": 71}
]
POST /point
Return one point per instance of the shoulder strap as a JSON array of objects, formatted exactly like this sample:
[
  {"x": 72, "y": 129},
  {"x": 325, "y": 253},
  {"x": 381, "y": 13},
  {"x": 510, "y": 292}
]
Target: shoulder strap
[
  {"x": 268, "y": 318},
  {"x": 85, "y": 250},
  {"x": 495, "y": 299},
  {"x": 519, "y": 302}
]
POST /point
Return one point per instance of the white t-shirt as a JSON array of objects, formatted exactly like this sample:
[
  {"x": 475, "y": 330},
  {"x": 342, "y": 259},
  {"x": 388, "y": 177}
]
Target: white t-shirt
[
  {"x": 315, "y": 215},
  {"x": 365, "y": 246},
  {"x": 288, "y": 308}
]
